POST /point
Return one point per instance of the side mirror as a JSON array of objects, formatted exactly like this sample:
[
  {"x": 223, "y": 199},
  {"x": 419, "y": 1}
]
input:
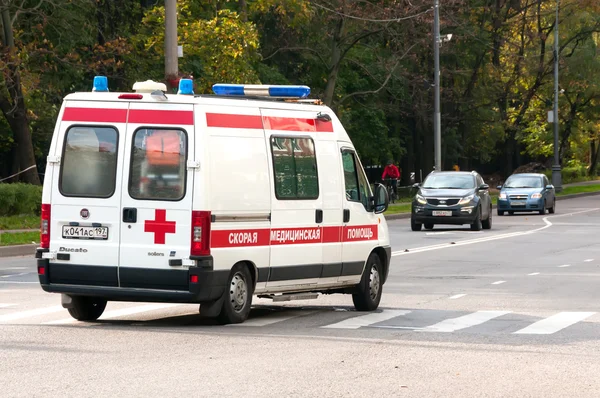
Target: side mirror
[
  {"x": 484, "y": 187},
  {"x": 382, "y": 199},
  {"x": 499, "y": 187},
  {"x": 549, "y": 187},
  {"x": 416, "y": 185}
]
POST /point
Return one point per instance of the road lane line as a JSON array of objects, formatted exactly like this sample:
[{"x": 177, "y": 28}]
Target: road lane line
[
  {"x": 23, "y": 282},
  {"x": 487, "y": 238},
  {"x": 463, "y": 322},
  {"x": 564, "y": 266},
  {"x": 533, "y": 274},
  {"x": 13, "y": 275},
  {"x": 118, "y": 313},
  {"x": 555, "y": 323},
  {"x": 30, "y": 313},
  {"x": 589, "y": 260},
  {"x": 2, "y": 305},
  {"x": 366, "y": 320},
  {"x": 457, "y": 296},
  {"x": 498, "y": 282},
  {"x": 272, "y": 318}
]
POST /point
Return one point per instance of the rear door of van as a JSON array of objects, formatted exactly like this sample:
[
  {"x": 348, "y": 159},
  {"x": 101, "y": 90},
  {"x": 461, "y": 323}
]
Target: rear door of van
[
  {"x": 156, "y": 196},
  {"x": 86, "y": 193}
]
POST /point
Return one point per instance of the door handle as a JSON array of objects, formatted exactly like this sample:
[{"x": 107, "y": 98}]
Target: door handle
[
  {"x": 319, "y": 216},
  {"x": 130, "y": 214},
  {"x": 346, "y": 215}
]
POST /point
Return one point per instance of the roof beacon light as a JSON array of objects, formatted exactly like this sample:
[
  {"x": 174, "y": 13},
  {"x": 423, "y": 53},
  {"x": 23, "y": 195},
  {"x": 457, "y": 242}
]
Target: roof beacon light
[
  {"x": 186, "y": 87},
  {"x": 262, "y": 90},
  {"x": 100, "y": 83}
]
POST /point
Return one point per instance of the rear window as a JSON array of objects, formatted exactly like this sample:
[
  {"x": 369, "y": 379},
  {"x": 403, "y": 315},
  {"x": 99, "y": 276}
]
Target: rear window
[
  {"x": 89, "y": 164},
  {"x": 158, "y": 164}
]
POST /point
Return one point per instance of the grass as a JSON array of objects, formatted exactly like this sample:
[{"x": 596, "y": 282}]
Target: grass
[
  {"x": 23, "y": 221},
  {"x": 579, "y": 189},
  {"x": 19, "y": 238}
]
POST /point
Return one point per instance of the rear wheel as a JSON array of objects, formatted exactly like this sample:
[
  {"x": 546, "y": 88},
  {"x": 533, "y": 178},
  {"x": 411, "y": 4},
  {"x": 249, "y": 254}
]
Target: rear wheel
[
  {"x": 415, "y": 226},
  {"x": 487, "y": 224},
  {"x": 371, "y": 286},
  {"x": 428, "y": 226},
  {"x": 87, "y": 308},
  {"x": 500, "y": 212},
  {"x": 476, "y": 226},
  {"x": 237, "y": 298}
]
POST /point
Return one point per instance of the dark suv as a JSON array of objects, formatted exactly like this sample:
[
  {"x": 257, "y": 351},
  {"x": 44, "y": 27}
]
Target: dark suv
[{"x": 452, "y": 197}]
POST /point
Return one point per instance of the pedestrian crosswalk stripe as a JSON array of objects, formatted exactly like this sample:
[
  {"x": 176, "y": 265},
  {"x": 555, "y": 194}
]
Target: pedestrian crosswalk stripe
[
  {"x": 2, "y": 305},
  {"x": 366, "y": 320},
  {"x": 465, "y": 321},
  {"x": 555, "y": 323},
  {"x": 31, "y": 313},
  {"x": 118, "y": 313},
  {"x": 273, "y": 318}
]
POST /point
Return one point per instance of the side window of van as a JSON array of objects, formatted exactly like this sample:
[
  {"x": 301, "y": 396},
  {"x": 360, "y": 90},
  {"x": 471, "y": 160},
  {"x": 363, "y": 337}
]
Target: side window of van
[
  {"x": 89, "y": 165},
  {"x": 357, "y": 187},
  {"x": 158, "y": 164},
  {"x": 295, "y": 168}
]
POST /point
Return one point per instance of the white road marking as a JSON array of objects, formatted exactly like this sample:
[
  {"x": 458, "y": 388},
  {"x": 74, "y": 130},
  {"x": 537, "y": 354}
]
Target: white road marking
[
  {"x": 533, "y": 274},
  {"x": 2, "y": 305},
  {"x": 565, "y": 265},
  {"x": 438, "y": 233},
  {"x": 498, "y": 282},
  {"x": 463, "y": 322},
  {"x": 272, "y": 318},
  {"x": 16, "y": 268},
  {"x": 366, "y": 320},
  {"x": 27, "y": 283},
  {"x": 589, "y": 260},
  {"x": 13, "y": 275},
  {"x": 118, "y": 313},
  {"x": 457, "y": 296},
  {"x": 487, "y": 238},
  {"x": 30, "y": 313},
  {"x": 555, "y": 323}
]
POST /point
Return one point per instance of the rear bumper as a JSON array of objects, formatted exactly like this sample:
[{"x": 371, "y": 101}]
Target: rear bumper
[{"x": 140, "y": 284}]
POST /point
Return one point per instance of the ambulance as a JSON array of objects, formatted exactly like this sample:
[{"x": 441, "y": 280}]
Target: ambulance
[{"x": 254, "y": 190}]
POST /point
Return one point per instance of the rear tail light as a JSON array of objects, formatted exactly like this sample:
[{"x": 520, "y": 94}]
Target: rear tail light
[
  {"x": 201, "y": 221},
  {"x": 45, "y": 227},
  {"x": 193, "y": 278},
  {"x": 41, "y": 271}
]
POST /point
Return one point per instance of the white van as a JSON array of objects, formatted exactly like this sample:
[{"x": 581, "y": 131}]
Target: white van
[{"x": 207, "y": 199}]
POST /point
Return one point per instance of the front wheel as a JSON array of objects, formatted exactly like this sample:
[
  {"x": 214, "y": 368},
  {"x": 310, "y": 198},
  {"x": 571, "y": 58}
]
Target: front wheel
[
  {"x": 415, "y": 226},
  {"x": 428, "y": 226},
  {"x": 86, "y": 308},
  {"x": 476, "y": 226},
  {"x": 500, "y": 212},
  {"x": 371, "y": 286},
  {"x": 553, "y": 208},
  {"x": 237, "y": 299}
]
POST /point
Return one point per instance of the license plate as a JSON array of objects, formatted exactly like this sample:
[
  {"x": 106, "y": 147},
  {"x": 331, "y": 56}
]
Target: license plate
[
  {"x": 442, "y": 213},
  {"x": 518, "y": 203},
  {"x": 69, "y": 232}
]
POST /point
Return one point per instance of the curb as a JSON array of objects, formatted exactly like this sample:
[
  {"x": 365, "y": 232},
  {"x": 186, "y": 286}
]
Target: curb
[
  {"x": 403, "y": 216},
  {"x": 29, "y": 250}
]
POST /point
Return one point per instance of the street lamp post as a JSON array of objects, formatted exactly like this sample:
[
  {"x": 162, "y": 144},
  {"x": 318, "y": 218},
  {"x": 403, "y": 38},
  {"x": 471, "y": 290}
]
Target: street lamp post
[
  {"x": 556, "y": 170},
  {"x": 437, "y": 134}
]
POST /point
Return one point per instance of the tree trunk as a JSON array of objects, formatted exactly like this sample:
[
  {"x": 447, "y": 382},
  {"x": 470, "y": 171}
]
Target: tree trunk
[
  {"x": 594, "y": 150},
  {"x": 334, "y": 69},
  {"x": 244, "y": 10},
  {"x": 14, "y": 109}
]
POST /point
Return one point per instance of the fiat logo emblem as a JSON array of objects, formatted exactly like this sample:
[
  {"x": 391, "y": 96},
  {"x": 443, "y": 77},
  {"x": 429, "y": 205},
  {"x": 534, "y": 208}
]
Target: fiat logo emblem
[{"x": 84, "y": 213}]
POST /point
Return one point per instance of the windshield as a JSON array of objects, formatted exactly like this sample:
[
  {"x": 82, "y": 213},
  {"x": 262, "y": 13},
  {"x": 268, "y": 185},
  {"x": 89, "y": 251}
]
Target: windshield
[
  {"x": 523, "y": 182},
  {"x": 449, "y": 181}
]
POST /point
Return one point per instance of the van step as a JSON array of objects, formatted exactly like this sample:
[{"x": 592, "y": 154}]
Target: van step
[{"x": 291, "y": 296}]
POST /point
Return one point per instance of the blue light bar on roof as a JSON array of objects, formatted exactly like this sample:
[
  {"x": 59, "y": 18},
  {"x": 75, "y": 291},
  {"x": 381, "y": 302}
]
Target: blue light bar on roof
[
  {"x": 186, "y": 87},
  {"x": 100, "y": 83},
  {"x": 261, "y": 90}
]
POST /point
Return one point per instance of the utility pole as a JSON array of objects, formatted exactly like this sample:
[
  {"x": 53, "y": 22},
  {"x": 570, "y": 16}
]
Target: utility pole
[
  {"x": 437, "y": 134},
  {"x": 171, "y": 60},
  {"x": 556, "y": 170}
]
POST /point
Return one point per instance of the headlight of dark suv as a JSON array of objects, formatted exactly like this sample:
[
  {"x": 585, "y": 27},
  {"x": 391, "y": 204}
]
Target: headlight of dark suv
[
  {"x": 467, "y": 199},
  {"x": 420, "y": 199}
]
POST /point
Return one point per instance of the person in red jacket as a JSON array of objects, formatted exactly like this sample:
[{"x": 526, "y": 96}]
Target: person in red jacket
[{"x": 391, "y": 172}]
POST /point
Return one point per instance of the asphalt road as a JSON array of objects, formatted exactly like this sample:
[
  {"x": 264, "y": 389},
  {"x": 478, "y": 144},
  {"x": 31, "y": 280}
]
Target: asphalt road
[{"x": 510, "y": 312}]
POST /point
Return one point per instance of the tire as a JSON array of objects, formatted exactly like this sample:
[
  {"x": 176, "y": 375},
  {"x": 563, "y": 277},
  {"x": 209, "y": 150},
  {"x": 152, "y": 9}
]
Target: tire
[
  {"x": 487, "y": 224},
  {"x": 414, "y": 225},
  {"x": 476, "y": 226},
  {"x": 543, "y": 211},
  {"x": 510, "y": 213},
  {"x": 553, "y": 208},
  {"x": 428, "y": 226},
  {"x": 500, "y": 212},
  {"x": 370, "y": 289},
  {"x": 237, "y": 297},
  {"x": 87, "y": 308}
]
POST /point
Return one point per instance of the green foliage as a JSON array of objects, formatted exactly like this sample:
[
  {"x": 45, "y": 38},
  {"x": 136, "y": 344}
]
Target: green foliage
[{"x": 19, "y": 198}]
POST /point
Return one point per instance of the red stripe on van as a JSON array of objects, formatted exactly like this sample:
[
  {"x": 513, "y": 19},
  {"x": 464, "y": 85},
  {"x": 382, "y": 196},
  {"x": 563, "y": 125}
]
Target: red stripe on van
[
  {"x": 98, "y": 115},
  {"x": 297, "y": 124},
  {"x": 155, "y": 116},
  {"x": 233, "y": 121},
  {"x": 360, "y": 233},
  {"x": 239, "y": 238},
  {"x": 324, "y": 127},
  {"x": 332, "y": 234}
]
